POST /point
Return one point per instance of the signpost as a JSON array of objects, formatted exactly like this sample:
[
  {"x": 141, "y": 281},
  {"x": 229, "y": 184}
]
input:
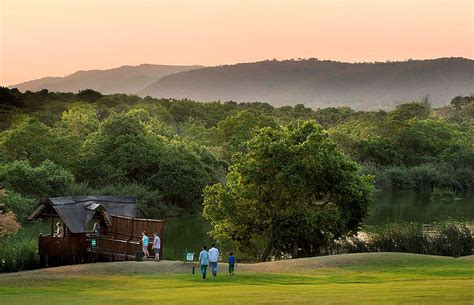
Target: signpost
[
  {"x": 189, "y": 257},
  {"x": 93, "y": 243}
]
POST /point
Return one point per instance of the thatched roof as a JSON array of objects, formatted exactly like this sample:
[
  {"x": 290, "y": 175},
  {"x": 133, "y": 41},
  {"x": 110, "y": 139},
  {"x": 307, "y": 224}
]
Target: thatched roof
[{"x": 76, "y": 212}]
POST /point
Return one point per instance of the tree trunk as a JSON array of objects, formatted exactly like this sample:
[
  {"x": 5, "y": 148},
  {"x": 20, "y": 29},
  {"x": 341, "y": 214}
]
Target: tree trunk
[{"x": 266, "y": 252}]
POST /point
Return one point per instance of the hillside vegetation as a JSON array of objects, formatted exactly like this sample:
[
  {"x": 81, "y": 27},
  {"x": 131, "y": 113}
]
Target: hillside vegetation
[
  {"x": 323, "y": 83},
  {"x": 166, "y": 151}
]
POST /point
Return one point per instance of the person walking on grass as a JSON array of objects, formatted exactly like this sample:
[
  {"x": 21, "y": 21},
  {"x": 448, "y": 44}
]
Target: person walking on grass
[
  {"x": 204, "y": 261},
  {"x": 213, "y": 258},
  {"x": 156, "y": 246},
  {"x": 231, "y": 264},
  {"x": 145, "y": 242}
]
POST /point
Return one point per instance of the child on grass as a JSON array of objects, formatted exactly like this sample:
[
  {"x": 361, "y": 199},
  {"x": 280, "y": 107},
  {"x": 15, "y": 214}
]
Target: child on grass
[{"x": 231, "y": 264}]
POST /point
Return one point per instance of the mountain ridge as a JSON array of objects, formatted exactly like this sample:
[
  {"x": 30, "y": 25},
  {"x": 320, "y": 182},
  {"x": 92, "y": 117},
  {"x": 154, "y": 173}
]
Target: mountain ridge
[
  {"x": 320, "y": 83},
  {"x": 124, "y": 79},
  {"x": 313, "y": 82}
]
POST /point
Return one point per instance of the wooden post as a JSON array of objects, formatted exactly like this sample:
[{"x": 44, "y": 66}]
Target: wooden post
[
  {"x": 132, "y": 221},
  {"x": 52, "y": 225},
  {"x": 162, "y": 233}
]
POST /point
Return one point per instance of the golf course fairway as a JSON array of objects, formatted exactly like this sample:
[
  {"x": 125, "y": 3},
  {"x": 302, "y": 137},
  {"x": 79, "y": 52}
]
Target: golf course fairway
[{"x": 368, "y": 278}]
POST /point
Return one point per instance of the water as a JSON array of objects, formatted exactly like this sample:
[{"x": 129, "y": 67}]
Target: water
[
  {"x": 409, "y": 206},
  {"x": 190, "y": 232}
]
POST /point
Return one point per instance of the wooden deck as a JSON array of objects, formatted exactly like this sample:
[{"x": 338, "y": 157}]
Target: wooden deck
[{"x": 122, "y": 241}]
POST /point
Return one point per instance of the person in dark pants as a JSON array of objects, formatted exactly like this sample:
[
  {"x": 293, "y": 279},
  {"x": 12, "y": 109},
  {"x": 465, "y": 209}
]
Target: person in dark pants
[
  {"x": 204, "y": 261},
  {"x": 156, "y": 246},
  {"x": 231, "y": 263}
]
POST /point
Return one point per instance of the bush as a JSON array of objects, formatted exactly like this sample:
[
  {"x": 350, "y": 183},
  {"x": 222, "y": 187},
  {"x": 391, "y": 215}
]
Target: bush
[
  {"x": 443, "y": 194},
  {"x": 452, "y": 240},
  {"x": 20, "y": 251},
  {"x": 449, "y": 240},
  {"x": 20, "y": 205},
  {"x": 423, "y": 177},
  {"x": 400, "y": 238},
  {"x": 398, "y": 178},
  {"x": 47, "y": 179},
  {"x": 150, "y": 203},
  {"x": 18, "y": 254},
  {"x": 80, "y": 189},
  {"x": 8, "y": 223}
]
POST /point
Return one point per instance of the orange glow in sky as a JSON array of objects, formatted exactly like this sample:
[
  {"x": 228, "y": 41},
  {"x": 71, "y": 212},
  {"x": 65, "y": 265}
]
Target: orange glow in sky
[{"x": 57, "y": 37}]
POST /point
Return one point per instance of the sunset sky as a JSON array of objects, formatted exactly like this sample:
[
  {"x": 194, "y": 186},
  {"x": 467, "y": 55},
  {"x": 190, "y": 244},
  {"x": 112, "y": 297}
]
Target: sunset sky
[{"x": 57, "y": 37}]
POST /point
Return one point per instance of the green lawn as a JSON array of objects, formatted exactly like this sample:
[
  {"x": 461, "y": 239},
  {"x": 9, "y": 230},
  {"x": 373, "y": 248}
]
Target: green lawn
[{"x": 377, "y": 278}]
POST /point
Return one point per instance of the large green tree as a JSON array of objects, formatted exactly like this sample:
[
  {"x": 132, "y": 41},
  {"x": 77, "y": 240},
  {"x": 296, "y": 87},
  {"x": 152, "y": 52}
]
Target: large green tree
[
  {"x": 293, "y": 189},
  {"x": 236, "y": 130}
]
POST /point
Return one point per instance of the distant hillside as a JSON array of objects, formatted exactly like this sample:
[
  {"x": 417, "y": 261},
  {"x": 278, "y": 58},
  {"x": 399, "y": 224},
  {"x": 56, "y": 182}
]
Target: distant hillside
[
  {"x": 323, "y": 83},
  {"x": 125, "y": 79}
]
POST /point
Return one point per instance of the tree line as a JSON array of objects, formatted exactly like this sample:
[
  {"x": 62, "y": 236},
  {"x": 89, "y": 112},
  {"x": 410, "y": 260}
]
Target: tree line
[{"x": 177, "y": 155}]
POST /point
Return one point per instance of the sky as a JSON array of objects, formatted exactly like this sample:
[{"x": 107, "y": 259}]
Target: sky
[{"x": 41, "y": 38}]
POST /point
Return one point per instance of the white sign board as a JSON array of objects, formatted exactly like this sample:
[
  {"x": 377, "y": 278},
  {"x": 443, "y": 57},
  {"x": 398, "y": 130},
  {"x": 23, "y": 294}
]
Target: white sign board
[{"x": 189, "y": 256}]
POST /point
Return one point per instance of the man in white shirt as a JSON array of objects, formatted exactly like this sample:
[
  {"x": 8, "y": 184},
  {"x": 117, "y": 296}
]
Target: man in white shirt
[{"x": 213, "y": 259}]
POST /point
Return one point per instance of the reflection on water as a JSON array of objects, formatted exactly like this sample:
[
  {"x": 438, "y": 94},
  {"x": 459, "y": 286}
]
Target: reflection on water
[
  {"x": 185, "y": 233},
  {"x": 190, "y": 232},
  {"x": 390, "y": 207}
]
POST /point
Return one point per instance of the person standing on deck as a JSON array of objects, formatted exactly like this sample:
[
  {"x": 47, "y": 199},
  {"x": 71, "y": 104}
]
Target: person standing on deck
[
  {"x": 156, "y": 246},
  {"x": 204, "y": 261},
  {"x": 213, "y": 258},
  {"x": 96, "y": 229},
  {"x": 59, "y": 230},
  {"x": 145, "y": 242}
]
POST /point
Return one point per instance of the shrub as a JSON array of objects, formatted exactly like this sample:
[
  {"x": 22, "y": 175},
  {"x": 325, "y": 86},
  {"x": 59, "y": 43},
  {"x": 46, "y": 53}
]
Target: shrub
[
  {"x": 150, "y": 204},
  {"x": 423, "y": 177},
  {"x": 398, "y": 178},
  {"x": 8, "y": 223},
  {"x": 449, "y": 240},
  {"x": 20, "y": 205},
  {"x": 465, "y": 179},
  {"x": 400, "y": 238},
  {"x": 19, "y": 252},
  {"x": 443, "y": 194},
  {"x": 452, "y": 240},
  {"x": 47, "y": 179},
  {"x": 80, "y": 189}
]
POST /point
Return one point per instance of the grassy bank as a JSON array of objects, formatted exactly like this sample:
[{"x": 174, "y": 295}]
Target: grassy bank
[{"x": 369, "y": 278}]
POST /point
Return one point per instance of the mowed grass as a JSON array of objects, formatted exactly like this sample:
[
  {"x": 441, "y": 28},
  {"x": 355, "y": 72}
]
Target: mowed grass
[{"x": 371, "y": 278}]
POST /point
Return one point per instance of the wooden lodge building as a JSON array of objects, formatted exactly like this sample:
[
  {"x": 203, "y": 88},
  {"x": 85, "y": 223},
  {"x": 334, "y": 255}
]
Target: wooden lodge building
[{"x": 119, "y": 237}]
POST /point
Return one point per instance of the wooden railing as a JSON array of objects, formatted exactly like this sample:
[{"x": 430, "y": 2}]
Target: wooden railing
[
  {"x": 67, "y": 249},
  {"x": 117, "y": 248}
]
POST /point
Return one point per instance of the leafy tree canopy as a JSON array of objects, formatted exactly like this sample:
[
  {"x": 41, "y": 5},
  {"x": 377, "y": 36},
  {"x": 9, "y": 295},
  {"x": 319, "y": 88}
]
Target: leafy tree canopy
[{"x": 293, "y": 188}]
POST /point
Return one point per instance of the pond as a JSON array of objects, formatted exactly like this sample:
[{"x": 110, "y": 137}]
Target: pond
[{"x": 190, "y": 232}]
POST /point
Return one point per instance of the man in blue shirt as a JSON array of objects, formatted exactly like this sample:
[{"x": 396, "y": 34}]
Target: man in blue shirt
[{"x": 204, "y": 261}]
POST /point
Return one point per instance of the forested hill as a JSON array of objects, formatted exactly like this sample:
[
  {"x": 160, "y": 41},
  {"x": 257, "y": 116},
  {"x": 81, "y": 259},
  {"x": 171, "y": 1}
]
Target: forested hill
[
  {"x": 323, "y": 83},
  {"x": 125, "y": 79}
]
